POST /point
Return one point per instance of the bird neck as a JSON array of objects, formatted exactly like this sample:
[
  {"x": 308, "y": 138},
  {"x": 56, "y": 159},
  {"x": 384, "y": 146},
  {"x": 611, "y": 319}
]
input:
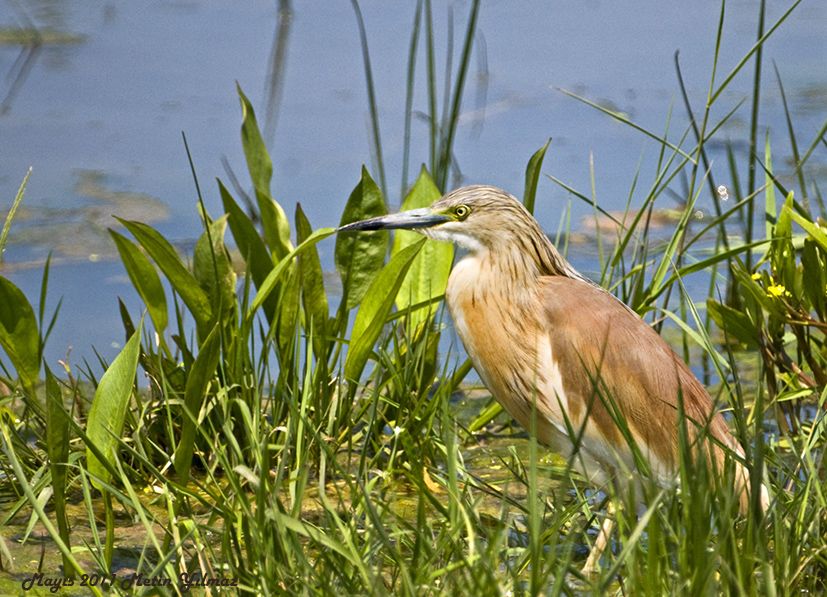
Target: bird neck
[
  {"x": 511, "y": 271},
  {"x": 523, "y": 258}
]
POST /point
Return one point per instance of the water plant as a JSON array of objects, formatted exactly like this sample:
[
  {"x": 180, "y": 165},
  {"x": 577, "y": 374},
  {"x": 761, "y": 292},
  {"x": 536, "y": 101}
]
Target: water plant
[{"x": 254, "y": 430}]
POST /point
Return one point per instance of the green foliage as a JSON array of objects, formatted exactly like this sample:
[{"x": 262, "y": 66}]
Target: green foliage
[
  {"x": 108, "y": 413},
  {"x": 57, "y": 448},
  {"x": 250, "y": 246},
  {"x": 18, "y": 199},
  {"x": 198, "y": 380},
  {"x": 428, "y": 275},
  {"x": 276, "y": 226},
  {"x": 314, "y": 298},
  {"x": 145, "y": 279},
  {"x": 377, "y": 304},
  {"x": 179, "y": 276},
  {"x": 311, "y": 458},
  {"x": 360, "y": 256},
  {"x": 19, "y": 335},
  {"x": 532, "y": 176}
]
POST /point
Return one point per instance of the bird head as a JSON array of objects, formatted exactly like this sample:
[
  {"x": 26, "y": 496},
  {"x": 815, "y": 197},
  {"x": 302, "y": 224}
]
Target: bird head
[{"x": 475, "y": 217}]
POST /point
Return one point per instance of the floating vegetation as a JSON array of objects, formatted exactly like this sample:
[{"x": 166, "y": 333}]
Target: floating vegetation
[
  {"x": 80, "y": 233},
  {"x": 15, "y": 36}
]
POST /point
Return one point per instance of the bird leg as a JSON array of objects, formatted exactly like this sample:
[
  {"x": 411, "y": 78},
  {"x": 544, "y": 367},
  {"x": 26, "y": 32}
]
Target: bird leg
[{"x": 591, "y": 566}]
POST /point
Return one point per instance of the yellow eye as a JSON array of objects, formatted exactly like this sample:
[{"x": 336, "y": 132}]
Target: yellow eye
[{"x": 461, "y": 211}]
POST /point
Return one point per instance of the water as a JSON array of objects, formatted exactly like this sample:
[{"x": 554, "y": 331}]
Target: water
[{"x": 114, "y": 85}]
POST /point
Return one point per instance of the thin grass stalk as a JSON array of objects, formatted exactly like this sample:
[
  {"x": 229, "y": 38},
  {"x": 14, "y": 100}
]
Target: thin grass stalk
[
  {"x": 446, "y": 147},
  {"x": 753, "y": 129},
  {"x": 409, "y": 95},
  {"x": 18, "y": 199},
  {"x": 372, "y": 104}
]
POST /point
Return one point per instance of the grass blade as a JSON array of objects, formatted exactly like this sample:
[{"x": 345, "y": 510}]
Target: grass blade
[{"x": 532, "y": 176}]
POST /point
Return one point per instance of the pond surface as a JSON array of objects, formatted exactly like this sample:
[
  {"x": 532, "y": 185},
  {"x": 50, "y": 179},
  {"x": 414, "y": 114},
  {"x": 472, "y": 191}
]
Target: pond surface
[{"x": 97, "y": 110}]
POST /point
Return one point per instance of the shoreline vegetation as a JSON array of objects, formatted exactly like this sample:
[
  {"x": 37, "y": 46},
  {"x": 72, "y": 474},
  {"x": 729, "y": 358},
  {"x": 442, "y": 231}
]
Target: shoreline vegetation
[{"x": 254, "y": 435}]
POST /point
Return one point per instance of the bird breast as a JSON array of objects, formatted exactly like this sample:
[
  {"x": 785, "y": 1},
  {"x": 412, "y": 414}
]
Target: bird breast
[{"x": 503, "y": 335}]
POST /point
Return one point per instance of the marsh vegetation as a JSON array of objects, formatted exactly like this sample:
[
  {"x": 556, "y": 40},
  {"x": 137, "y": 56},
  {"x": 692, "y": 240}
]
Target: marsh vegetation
[{"x": 260, "y": 427}]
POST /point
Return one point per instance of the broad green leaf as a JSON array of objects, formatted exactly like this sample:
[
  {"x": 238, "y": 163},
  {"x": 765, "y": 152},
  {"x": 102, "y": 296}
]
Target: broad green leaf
[
  {"x": 314, "y": 298},
  {"x": 108, "y": 412},
  {"x": 816, "y": 231},
  {"x": 274, "y": 221},
  {"x": 282, "y": 266},
  {"x": 288, "y": 314},
  {"x": 212, "y": 267},
  {"x": 532, "y": 176},
  {"x": 782, "y": 251},
  {"x": 428, "y": 274},
  {"x": 375, "y": 308},
  {"x": 184, "y": 283},
  {"x": 145, "y": 279},
  {"x": 249, "y": 243},
  {"x": 735, "y": 323},
  {"x": 198, "y": 380},
  {"x": 359, "y": 255},
  {"x": 18, "y": 333}
]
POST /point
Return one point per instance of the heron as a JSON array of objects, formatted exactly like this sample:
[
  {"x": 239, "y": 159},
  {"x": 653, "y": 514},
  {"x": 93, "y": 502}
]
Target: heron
[{"x": 551, "y": 345}]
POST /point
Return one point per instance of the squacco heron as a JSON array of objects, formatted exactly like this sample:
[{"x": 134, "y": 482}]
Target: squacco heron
[{"x": 542, "y": 336}]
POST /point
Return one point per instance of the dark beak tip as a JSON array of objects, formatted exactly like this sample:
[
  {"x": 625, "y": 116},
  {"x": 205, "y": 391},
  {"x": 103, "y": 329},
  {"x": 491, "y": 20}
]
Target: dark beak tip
[{"x": 355, "y": 226}]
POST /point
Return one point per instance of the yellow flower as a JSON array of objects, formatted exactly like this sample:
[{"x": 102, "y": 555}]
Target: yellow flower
[
  {"x": 776, "y": 290},
  {"x": 756, "y": 276}
]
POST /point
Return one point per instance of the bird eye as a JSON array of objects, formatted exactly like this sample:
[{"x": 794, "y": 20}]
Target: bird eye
[{"x": 461, "y": 211}]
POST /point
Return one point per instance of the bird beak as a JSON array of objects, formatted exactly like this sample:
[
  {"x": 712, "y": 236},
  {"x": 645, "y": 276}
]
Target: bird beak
[{"x": 406, "y": 220}]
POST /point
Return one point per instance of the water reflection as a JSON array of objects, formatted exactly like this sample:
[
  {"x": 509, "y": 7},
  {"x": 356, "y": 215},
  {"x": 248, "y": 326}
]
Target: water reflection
[
  {"x": 73, "y": 234},
  {"x": 32, "y": 41}
]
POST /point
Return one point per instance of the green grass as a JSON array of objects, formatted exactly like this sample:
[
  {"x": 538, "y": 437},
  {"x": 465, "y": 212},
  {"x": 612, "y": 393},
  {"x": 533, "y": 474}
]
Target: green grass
[{"x": 295, "y": 445}]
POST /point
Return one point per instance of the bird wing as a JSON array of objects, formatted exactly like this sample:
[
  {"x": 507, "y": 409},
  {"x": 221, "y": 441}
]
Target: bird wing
[{"x": 612, "y": 364}]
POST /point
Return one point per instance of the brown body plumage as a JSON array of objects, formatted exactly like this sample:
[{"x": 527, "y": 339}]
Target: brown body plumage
[{"x": 541, "y": 335}]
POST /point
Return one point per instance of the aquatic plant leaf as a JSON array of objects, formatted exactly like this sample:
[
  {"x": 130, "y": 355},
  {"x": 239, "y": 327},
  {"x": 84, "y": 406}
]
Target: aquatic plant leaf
[
  {"x": 532, "y": 176},
  {"x": 816, "y": 232},
  {"x": 18, "y": 333},
  {"x": 359, "y": 256},
  {"x": 288, "y": 314},
  {"x": 273, "y": 219},
  {"x": 487, "y": 414},
  {"x": 249, "y": 243},
  {"x": 314, "y": 298},
  {"x": 145, "y": 279},
  {"x": 735, "y": 323},
  {"x": 184, "y": 282},
  {"x": 428, "y": 274},
  {"x": 375, "y": 307},
  {"x": 108, "y": 412},
  {"x": 212, "y": 268},
  {"x": 782, "y": 253},
  {"x": 198, "y": 380},
  {"x": 273, "y": 278}
]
